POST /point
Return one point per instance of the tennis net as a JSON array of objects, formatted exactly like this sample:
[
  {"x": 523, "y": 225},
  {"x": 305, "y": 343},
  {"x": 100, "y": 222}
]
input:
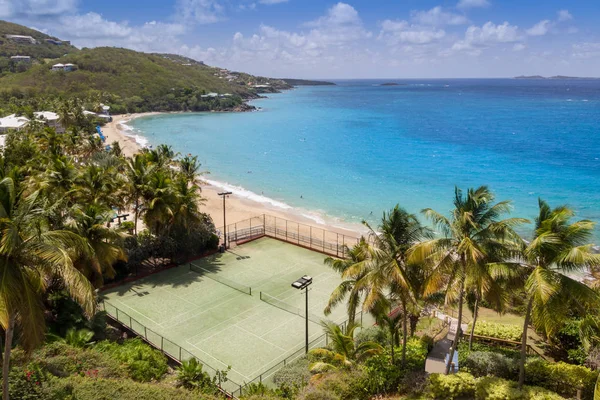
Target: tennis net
[
  {"x": 267, "y": 298},
  {"x": 220, "y": 279}
]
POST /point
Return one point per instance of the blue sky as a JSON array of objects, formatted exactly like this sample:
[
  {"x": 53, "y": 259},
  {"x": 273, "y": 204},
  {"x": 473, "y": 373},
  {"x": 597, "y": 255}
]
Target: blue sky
[{"x": 348, "y": 39}]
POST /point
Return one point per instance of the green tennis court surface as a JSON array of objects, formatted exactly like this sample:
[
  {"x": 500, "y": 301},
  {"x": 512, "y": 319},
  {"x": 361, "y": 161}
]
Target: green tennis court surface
[{"x": 206, "y": 308}]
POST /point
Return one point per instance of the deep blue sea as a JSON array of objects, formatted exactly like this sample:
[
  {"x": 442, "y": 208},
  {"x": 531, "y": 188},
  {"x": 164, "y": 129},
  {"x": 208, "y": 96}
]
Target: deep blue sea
[{"x": 357, "y": 148}]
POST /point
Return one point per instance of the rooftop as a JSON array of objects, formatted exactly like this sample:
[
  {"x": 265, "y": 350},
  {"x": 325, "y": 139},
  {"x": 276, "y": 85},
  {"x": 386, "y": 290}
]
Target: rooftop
[
  {"x": 47, "y": 115},
  {"x": 13, "y": 122}
]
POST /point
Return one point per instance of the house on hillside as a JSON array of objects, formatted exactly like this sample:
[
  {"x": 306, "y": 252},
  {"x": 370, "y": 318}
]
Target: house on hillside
[
  {"x": 21, "y": 39},
  {"x": 58, "y": 67},
  {"x": 13, "y": 122},
  {"x": 50, "y": 119},
  {"x": 210, "y": 95},
  {"x": 20, "y": 59},
  {"x": 54, "y": 42},
  {"x": 69, "y": 67}
]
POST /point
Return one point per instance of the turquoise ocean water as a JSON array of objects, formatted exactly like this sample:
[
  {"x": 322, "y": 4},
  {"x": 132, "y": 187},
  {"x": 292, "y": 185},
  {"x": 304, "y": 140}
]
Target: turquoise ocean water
[{"x": 348, "y": 150}]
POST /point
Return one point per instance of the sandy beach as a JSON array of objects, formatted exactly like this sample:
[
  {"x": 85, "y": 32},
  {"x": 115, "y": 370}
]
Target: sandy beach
[{"x": 238, "y": 209}]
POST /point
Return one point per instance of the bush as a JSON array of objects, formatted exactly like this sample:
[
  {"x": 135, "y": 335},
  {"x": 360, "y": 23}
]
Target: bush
[
  {"x": 451, "y": 387},
  {"x": 561, "y": 377},
  {"x": 484, "y": 363},
  {"x": 293, "y": 375},
  {"x": 26, "y": 383},
  {"x": 78, "y": 388},
  {"x": 463, "y": 351},
  {"x": 348, "y": 384},
  {"x": 143, "y": 362},
  {"x": 496, "y": 330},
  {"x": 373, "y": 334},
  {"x": 491, "y": 388}
]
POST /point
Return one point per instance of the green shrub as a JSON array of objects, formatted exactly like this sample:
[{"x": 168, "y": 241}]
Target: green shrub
[
  {"x": 373, "y": 334},
  {"x": 491, "y": 388},
  {"x": 347, "y": 384},
  {"x": 191, "y": 376},
  {"x": 497, "y": 330},
  {"x": 451, "y": 387},
  {"x": 61, "y": 360},
  {"x": 293, "y": 375},
  {"x": 26, "y": 383},
  {"x": 463, "y": 351},
  {"x": 484, "y": 363},
  {"x": 416, "y": 354},
  {"x": 561, "y": 377},
  {"x": 143, "y": 362},
  {"x": 78, "y": 388}
]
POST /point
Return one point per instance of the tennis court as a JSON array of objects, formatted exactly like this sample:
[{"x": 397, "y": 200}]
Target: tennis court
[{"x": 207, "y": 309}]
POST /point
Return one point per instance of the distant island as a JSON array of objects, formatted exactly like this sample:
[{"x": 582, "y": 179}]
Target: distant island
[
  {"x": 305, "y": 82},
  {"x": 557, "y": 77},
  {"x": 392, "y": 84}
]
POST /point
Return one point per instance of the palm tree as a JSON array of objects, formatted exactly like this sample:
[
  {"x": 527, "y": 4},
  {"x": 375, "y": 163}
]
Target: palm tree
[
  {"x": 388, "y": 279},
  {"x": 138, "y": 173},
  {"x": 558, "y": 248},
  {"x": 344, "y": 350},
  {"x": 189, "y": 167},
  {"x": 159, "y": 202},
  {"x": 473, "y": 232},
  {"x": 353, "y": 269},
  {"x": 186, "y": 213},
  {"x": 90, "y": 221},
  {"x": 392, "y": 320},
  {"x": 30, "y": 254}
]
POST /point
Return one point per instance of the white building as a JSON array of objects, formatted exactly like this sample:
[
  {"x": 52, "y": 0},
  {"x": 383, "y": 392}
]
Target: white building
[
  {"x": 204, "y": 96},
  {"x": 58, "y": 67},
  {"x": 69, "y": 67},
  {"x": 21, "y": 39},
  {"x": 13, "y": 122},
  {"x": 25, "y": 59},
  {"x": 51, "y": 119}
]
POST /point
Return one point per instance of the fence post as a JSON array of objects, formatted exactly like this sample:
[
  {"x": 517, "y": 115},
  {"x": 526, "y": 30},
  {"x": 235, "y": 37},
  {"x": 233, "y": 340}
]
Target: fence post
[
  {"x": 145, "y": 333},
  {"x": 337, "y": 245},
  {"x": 130, "y": 325},
  {"x": 117, "y": 313},
  {"x": 162, "y": 339},
  {"x": 323, "y": 240},
  {"x": 310, "y": 237},
  {"x": 298, "y": 232},
  {"x": 275, "y": 227},
  {"x": 180, "y": 354},
  {"x": 286, "y": 229}
]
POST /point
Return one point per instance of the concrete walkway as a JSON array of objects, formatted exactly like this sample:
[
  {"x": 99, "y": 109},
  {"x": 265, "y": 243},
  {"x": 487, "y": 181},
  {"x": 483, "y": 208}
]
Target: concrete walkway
[{"x": 436, "y": 360}]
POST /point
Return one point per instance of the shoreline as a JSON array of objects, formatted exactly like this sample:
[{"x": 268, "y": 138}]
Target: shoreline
[{"x": 239, "y": 206}]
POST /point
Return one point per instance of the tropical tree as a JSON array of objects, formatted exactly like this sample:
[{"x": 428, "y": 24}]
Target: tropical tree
[
  {"x": 353, "y": 268},
  {"x": 473, "y": 232},
  {"x": 558, "y": 248},
  {"x": 344, "y": 350},
  {"x": 189, "y": 167},
  {"x": 138, "y": 172},
  {"x": 91, "y": 222},
  {"x": 388, "y": 281},
  {"x": 159, "y": 201},
  {"x": 31, "y": 254}
]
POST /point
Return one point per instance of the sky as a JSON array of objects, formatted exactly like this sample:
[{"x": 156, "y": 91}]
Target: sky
[{"x": 344, "y": 40}]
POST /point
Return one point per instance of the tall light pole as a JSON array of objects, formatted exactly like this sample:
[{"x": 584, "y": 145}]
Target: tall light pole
[
  {"x": 302, "y": 284},
  {"x": 224, "y": 195}
]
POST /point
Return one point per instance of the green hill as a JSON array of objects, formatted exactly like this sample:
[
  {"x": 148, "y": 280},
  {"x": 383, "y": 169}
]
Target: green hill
[
  {"x": 39, "y": 51},
  {"x": 127, "y": 80}
]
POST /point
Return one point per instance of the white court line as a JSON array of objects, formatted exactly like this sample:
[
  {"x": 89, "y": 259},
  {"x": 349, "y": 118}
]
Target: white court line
[
  {"x": 261, "y": 339},
  {"x": 133, "y": 309},
  {"x": 220, "y": 362}
]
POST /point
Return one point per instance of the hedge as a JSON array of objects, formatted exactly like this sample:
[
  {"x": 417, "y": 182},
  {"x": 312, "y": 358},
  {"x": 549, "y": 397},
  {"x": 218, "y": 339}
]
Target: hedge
[{"x": 497, "y": 330}]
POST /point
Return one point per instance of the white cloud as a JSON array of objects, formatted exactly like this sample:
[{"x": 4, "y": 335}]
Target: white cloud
[
  {"x": 18, "y": 8},
  {"x": 564, "y": 15},
  {"x": 473, "y": 3},
  {"x": 272, "y": 1},
  {"x": 437, "y": 17},
  {"x": 199, "y": 11},
  {"x": 519, "y": 47},
  {"x": 398, "y": 32},
  {"x": 586, "y": 50},
  {"x": 477, "y": 38},
  {"x": 539, "y": 29}
]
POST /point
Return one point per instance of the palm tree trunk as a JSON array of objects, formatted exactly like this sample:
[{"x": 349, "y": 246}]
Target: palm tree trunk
[
  {"x": 414, "y": 320},
  {"x": 137, "y": 205},
  {"x": 524, "y": 343},
  {"x": 6, "y": 358},
  {"x": 475, "y": 314},
  {"x": 404, "y": 331},
  {"x": 459, "y": 322}
]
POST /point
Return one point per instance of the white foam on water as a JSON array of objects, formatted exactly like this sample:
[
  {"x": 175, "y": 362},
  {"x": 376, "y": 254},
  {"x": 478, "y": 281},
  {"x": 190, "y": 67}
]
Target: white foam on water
[
  {"x": 133, "y": 133},
  {"x": 247, "y": 194}
]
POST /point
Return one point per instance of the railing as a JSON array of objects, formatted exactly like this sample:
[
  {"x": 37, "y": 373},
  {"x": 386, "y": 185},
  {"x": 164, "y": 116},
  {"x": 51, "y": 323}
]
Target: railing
[
  {"x": 266, "y": 377},
  {"x": 328, "y": 242},
  {"x": 508, "y": 343},
  {"x": 171, "y": 349}
]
